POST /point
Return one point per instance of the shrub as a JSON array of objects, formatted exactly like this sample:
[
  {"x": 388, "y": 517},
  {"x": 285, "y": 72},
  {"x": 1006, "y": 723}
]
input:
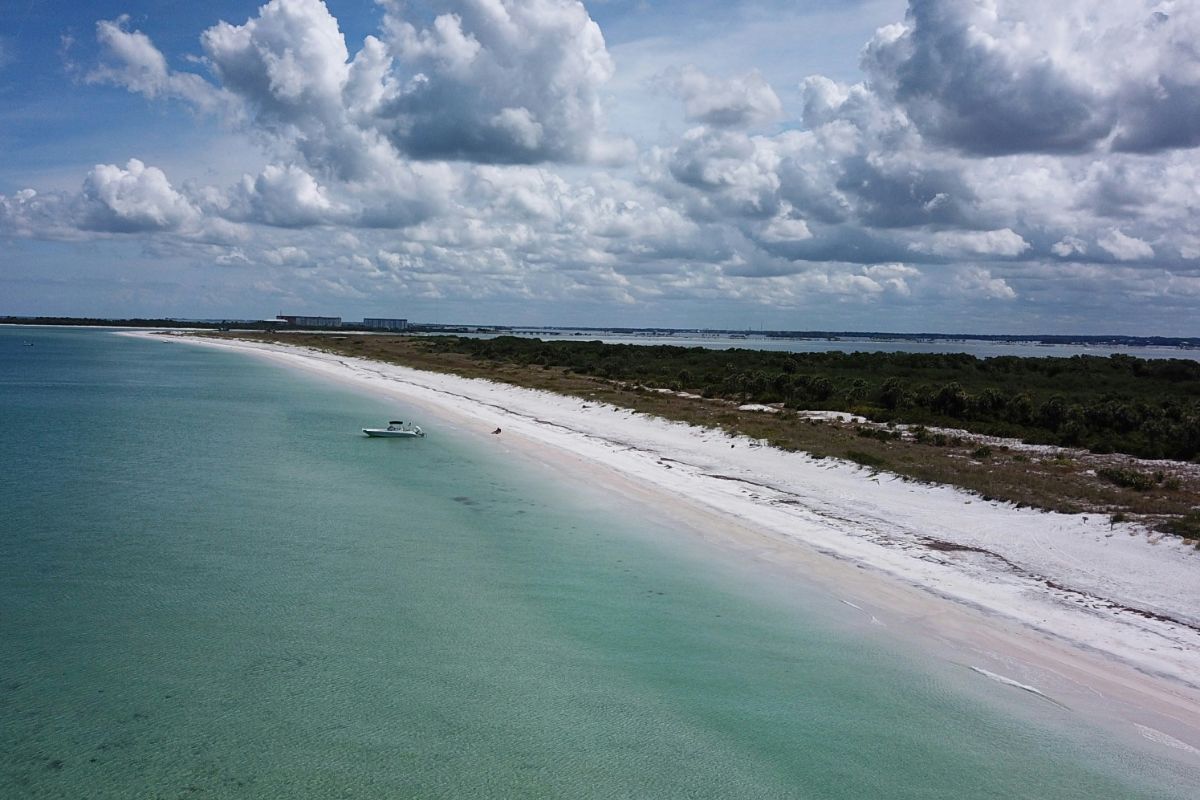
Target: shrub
[
  {"x": 1127, "y": 478},
  {"x": 882, "y": 434},
  {"x": 1187, "y": 526},
  {"x": 866, "y": 459}
]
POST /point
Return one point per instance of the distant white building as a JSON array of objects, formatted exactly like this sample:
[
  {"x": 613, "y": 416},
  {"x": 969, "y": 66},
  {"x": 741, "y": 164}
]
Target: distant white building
[
  {"x": 311, "y": 322},
  {"x": 376, "y": 323}
]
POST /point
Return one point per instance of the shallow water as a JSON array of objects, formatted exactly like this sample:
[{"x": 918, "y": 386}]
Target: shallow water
[
  {"x": 212, "y": 584},
  {"x": 980, "y": 348}
]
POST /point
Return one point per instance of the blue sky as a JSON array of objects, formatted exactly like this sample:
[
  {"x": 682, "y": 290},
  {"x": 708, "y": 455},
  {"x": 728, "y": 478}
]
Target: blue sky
[{"x": 998, "y": 166}]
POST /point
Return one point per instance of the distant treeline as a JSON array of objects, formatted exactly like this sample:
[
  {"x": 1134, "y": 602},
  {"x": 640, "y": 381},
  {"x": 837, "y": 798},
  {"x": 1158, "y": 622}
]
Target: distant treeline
[
  {"x": 883, "y": 336},
  {"x": 1144, "y": 407},
  {"x": 125, "y": 323},
  {"x": 202, "y": 324}
]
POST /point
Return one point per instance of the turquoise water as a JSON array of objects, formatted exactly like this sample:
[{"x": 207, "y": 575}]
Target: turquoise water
[{"x": 212, "y": 585}]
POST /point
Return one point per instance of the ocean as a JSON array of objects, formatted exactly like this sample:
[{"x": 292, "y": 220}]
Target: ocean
[{"x": 212, "y": 585}]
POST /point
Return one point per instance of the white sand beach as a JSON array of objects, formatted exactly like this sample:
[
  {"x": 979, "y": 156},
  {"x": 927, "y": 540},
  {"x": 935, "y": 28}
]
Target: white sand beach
[{"x": 1066, "y": 606}]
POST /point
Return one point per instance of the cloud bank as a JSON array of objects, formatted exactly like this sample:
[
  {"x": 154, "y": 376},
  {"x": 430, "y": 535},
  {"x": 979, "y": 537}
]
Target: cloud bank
[{"x": 992, "y": 149}]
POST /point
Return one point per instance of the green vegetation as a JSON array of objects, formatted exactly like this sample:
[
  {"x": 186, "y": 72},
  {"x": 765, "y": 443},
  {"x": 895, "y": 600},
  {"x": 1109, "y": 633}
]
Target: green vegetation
[
  {"x": 1136, "y": 480},
  {"x": 866, "y": 459},
  {"x": 1186, "y": 526},
  {"x": 1146, "y": 408}
]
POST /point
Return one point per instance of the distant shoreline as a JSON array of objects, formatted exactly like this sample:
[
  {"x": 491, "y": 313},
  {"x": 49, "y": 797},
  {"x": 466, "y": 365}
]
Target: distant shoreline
[
  {"x": 1105, "y": 340},
  {"x": 1041, "y": 599}
]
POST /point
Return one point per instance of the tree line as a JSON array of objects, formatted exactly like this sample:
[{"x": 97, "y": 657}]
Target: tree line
[{"x": 1144, "y": 407}]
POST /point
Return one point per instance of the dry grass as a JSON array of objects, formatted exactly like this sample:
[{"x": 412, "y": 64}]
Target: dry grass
[{"x": 1064, "y": 481}]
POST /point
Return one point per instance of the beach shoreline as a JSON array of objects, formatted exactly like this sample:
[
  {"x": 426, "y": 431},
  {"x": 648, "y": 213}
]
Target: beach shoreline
[{"x": 1068, "y": 606}]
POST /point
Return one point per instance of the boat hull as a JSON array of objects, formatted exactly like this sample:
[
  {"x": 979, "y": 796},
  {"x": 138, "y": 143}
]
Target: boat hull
[{"x": 384, "y": 433}]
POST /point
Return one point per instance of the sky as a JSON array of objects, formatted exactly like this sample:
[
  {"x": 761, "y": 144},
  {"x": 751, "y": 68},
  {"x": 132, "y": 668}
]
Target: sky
[{"x": 991, "y": 166}]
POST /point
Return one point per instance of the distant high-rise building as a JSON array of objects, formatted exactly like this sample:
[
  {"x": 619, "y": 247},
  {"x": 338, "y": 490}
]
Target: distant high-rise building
[
  {"x": 376, "y": 323},
  {"x": 311, "y": 322}
]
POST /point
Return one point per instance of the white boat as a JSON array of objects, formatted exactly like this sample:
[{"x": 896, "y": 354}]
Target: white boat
[{"x": 396, "y": 430}]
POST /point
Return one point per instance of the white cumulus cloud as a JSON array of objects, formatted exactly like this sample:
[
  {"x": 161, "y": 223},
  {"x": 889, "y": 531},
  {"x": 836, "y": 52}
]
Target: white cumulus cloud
[
  {"x": 979, "y": 283},
  {"x": 895, "y": 277},
  {"x": 130, "y": 59},
  {"x": 507, "y": 81},
  {"x": 1125, "y": 248},
  {"x": 740, "y": 102},
  {"x": 283, "y": 195},
  {"x": 1013, "y": 76},
  {"x": 133, "y": 198},
  {"x": 1069, "y": 246},
  {"x": 1004, "y": 242}
]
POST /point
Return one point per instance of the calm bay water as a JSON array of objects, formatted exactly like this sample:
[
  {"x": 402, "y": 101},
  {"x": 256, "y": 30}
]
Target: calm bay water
[
  {"x": 980, "y": 348},
  {"x": 211, "y": 584}
]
